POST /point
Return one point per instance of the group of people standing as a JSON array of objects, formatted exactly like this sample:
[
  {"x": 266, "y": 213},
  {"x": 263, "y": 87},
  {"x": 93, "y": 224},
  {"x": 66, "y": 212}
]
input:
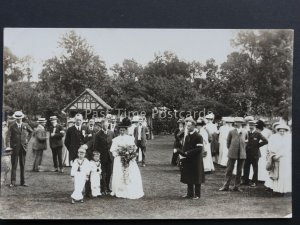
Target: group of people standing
[
  {"x": 19, "y": 134},
  {"x": 246, "y": 147},
  {"x": 93, "y": 152}
]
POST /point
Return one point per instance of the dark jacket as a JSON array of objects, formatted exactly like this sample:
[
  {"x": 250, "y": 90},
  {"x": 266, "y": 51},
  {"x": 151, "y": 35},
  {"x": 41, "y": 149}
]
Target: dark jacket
[
  {"x": 143, "y": 135},
  {"x": 89, "y": 137},
  {"x": 255, "y": 141},
  {"x": 179, "y": 135},
  {"x": 236, "y": 144},
  {"x": 56, "y": 140},
  {"x": 39, "y": 139},
  {"x": 102, "y": 143},
  {"x": 192, "y": 169},
  {"x": 18, "y": 139},
  {"x": 74, "y": 139}
]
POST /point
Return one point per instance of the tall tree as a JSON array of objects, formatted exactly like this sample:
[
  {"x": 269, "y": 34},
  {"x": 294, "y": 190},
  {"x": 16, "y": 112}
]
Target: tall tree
[{"x": 66, "y": 76}]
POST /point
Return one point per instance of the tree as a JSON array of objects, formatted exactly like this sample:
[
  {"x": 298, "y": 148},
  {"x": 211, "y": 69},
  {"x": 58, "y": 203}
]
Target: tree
[
  {"x": 63, "y": 78},
  {"x": 269, "y": 68},
  {"x": 26, "y": 98},
  {"x": 15, "y": 68},
  {"x": 166, "y": 81}
]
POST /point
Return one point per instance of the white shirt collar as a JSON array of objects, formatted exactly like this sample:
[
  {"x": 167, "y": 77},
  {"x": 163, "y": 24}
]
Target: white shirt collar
[{"x": 193, "y": 131}]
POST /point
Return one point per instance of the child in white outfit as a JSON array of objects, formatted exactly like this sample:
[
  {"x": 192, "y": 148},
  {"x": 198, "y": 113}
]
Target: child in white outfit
[
  {"x": 95, "y": 174},
  {"x": 80, "y": 174}
]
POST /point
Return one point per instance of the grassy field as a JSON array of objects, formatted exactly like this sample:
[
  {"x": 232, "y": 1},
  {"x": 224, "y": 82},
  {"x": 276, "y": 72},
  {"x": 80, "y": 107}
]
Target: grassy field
[{"x": 48, "y": 195}]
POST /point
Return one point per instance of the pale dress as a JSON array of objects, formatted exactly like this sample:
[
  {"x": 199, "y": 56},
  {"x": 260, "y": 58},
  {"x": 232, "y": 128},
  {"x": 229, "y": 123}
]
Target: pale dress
[
  {"x": 207, "y": 160},
  {"x": 123, "y": 186},
  {"x": 223, "y": 150},
  {"x": 80, "y": 177},
  {"x": 262, "y": 163},
  {"x": 95, "y": 178},
  {"x": 282, "y": 146},
  {"x": 212, "y": 128}
]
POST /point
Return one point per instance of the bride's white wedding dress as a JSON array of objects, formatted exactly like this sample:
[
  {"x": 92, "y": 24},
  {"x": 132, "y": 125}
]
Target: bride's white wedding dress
[{"x": 133, "y": 187}]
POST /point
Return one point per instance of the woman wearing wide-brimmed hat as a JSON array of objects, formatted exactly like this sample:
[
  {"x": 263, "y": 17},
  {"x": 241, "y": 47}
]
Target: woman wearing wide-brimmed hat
[
  {"x": 126, "y": 177},
  {"x": 280, "y": 148}
]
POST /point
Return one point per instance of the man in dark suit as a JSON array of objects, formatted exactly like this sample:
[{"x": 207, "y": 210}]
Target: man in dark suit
[
  {"x": 91, "y": 131},
  {"x": 140, "y": 139},
  {"x": 192, "y": 168},
  {"x": 17, "y": 138},
  {"x": 102, "y": 143},
  {"x": 113, "y": 126},
  {"x": 236, "y": 144},
  {"x": 75, "y": 137},
  {"x": 255, "y": 141},
  {"x": 56, "y": 143}
]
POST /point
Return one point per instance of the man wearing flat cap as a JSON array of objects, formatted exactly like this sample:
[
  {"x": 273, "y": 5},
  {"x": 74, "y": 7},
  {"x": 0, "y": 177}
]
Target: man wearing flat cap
[
  {"x": 17, "y": 138},
  {"x": 236, "y": 143}
]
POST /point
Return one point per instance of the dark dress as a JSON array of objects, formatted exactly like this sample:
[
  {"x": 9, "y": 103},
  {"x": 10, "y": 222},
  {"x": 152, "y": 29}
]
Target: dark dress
[
  {"x": 192, "y": 169},
  {"x": 179, "y": 135}
]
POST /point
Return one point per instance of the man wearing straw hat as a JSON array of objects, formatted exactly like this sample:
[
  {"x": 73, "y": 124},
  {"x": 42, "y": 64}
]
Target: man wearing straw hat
[{"x": 17, "y": 138}]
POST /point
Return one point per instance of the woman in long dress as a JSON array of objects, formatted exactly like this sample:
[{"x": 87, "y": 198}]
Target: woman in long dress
[
  {"x": 126, "y": 182},
  {"x": 224, "y": 131},
  {"x": 280, "y": 144},
  {"x": 262, "y": 172},
  {"x": 207, "y": 160}
]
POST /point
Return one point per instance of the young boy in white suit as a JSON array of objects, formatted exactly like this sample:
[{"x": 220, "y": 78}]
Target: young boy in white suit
[
  {"x": 95, "y": 175},
  {"x": 80, "y": 174}
]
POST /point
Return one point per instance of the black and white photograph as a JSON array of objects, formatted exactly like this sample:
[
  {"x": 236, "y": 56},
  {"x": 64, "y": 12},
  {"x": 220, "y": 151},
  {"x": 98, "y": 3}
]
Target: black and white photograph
[{"x": 136, "y": 123}]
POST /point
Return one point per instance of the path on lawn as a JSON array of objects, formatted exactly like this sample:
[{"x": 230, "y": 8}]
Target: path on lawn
[{"x": 48, "y": 195}]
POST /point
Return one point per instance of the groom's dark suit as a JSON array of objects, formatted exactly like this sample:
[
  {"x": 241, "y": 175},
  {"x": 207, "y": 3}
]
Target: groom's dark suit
[{"x": 102, "y": 142}]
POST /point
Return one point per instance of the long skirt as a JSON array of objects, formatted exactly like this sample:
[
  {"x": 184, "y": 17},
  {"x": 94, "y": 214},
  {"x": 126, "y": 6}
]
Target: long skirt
[
  {"x": 207, "y": 160},
  {"x": 284, "y": 182},
  {"x": 223, "y": 153},
  {"x": 95, "y": 183},
  {"x": 126, "y": 183},
  {"x": 79, "y": 183}
]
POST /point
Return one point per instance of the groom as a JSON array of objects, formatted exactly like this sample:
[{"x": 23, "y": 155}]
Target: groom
[{"x": 101, "y": 143}]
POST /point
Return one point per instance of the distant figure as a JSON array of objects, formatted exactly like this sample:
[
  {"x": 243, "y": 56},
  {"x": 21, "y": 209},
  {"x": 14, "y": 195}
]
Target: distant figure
[
  {"x": 178, "y": 134},
  {"x": 17, "y": 138},
  {"x": 236, "y": 143},
  {"x": 141, "y": 140},
  {"x": 56, "y": 144},
  {"x": 39, "y": 144}
]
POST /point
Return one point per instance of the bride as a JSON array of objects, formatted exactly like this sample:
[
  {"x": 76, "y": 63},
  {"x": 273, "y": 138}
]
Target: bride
[{"x": 126, "y": 177}]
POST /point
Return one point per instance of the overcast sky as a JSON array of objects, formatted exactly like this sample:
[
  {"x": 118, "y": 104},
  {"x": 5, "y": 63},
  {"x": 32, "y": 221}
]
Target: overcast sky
[{"x": 115, "y": 45}]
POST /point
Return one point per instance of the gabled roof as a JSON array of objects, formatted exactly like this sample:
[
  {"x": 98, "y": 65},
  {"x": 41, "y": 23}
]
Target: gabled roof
[{"x": 91, "y": 93}]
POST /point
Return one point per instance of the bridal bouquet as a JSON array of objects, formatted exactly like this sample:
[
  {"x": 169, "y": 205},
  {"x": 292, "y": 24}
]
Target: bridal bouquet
[{"x": 126, "y": 153}]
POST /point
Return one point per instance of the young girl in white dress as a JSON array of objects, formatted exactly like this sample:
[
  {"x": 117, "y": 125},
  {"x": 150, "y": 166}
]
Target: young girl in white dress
[
  {"x": 126, "y": 182},
  {"x": 95, "y": 175},
  {"x": 80, "y": 174}
]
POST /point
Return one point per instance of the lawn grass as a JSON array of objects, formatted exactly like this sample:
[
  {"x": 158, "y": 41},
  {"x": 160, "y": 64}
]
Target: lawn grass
[{"x": 48, "y": 195}]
